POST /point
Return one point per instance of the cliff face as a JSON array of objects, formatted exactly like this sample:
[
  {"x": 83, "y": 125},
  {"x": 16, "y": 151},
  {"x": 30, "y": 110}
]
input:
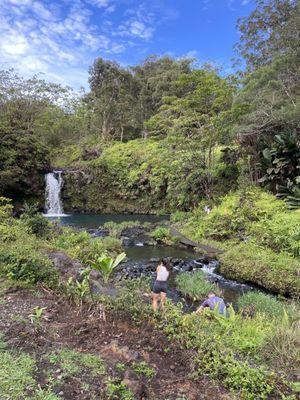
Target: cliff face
[
  {"x": 90, "y": 190},
  {"x": 23, "y": 164}
]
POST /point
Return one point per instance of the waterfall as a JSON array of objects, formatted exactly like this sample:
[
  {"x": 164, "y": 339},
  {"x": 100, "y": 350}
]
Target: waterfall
[{"x": 53, "y": 203}]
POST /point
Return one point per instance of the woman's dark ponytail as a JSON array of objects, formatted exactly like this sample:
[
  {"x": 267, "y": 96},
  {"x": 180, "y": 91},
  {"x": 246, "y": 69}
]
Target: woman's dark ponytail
[{"x": 166, "y": 263}]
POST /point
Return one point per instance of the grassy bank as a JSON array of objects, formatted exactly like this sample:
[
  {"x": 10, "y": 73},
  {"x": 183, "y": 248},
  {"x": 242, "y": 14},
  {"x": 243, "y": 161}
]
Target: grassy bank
[{"x": 260, "y": 234}]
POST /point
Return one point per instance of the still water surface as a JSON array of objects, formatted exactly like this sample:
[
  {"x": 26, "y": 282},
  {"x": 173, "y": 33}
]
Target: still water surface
[{"x": 93, "y": 221}]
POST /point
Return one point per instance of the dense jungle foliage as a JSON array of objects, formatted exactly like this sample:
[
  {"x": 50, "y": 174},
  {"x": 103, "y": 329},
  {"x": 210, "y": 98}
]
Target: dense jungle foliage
[{"x": 164, "y": 120}]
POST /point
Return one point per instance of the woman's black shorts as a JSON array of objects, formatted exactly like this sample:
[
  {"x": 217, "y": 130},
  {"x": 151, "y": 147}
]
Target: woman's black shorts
[{"x": 159, "y": 286}]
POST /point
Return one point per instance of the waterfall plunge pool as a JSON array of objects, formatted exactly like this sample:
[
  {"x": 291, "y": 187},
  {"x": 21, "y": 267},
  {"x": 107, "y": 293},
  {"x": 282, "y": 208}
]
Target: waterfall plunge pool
[{"x": 94, "y": 221}]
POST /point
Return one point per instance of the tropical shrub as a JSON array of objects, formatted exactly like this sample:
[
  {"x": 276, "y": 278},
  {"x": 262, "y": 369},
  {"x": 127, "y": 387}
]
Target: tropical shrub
[
  {"x": 37, "y": 224},
  {"x": 25, "y": 262},
  {"x": 280, "y": 164},
  {"x": 82, "y": 246},
  {"x": 282, "y": 349},
  {"x": 163, "y": 235},
  {"x": 5, "y": 208},
  {"x": 23, "y": 256},
  {"x": 115, "y": 229},
  {"x": 97, "y": 246},
  {"x": 106, "y": 265}
]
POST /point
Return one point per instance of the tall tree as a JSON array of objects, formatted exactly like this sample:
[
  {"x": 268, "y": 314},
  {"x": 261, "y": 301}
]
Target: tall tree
[
  {"x": 113, "y": 99},
  {"x": 195, "y": 114},
  {"x": 155, "y": 77},
  {"x": 271, "y": 30},
  {"x": 270, "y": 93}
]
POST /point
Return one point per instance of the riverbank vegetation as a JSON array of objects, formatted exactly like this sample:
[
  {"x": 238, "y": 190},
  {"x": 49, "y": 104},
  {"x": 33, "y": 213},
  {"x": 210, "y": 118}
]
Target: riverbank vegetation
[{"x": 261, "y": 236}]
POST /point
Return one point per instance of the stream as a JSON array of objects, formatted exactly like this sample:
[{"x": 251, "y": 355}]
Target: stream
[{"x": 143, "y": 258}]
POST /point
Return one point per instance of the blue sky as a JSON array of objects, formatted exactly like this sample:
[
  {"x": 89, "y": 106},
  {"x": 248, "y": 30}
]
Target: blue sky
[{"x": 61, "y": 38}]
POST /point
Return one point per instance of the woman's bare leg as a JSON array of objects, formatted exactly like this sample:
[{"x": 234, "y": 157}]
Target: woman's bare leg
[
  {"x": 163, "y": 297},
  {"x": 155, "y": 297}
]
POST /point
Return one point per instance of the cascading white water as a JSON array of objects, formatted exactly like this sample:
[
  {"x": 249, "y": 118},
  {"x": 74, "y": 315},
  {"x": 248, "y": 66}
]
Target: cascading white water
[{"x": 53, "y": 203}]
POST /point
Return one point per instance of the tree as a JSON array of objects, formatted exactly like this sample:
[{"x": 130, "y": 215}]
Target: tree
[
  {"x": 196, "y": 113},
  {"x": 272, "y": 29},
  {"x": 268, "y": 103},
  {"x": 155, "y": 77},
  {"x": 23, "y": 100},
  {"x": 113, "y": 99}
]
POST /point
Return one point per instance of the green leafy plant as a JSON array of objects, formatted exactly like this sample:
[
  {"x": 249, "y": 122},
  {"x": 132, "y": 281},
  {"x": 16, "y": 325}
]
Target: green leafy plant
[
  {"x": 142, "y": 368},
  {"x": 106, "y": 265},
  {"x": 77, "y": 291},
  {"x": 37, "y": 316},
  {"x": 266, "y": 304},
  {"x": 6, "y": 208},
  {"x": 37, "y": 224},
  {"x": 117, "y": 390},
  {"x": 281, "y": 163},
  {"x": 22, "y": 260},
  {"x": 163, "y": 235},
  {"x": 115, "y": 229}
]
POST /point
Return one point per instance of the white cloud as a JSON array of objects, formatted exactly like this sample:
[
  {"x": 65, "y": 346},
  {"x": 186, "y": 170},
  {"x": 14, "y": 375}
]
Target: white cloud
[
  {"x": 37, "y": 37},
  {"x": 57, "y": 36},
  {"x": 192, "y": 54},
  {"x": 41, "y": 10},
  {"x": 100, "y": 3},
  {"x": 14, "y": 44},
  {"x": 20, "y": 2},
  {"x": 245, "y": 2},
  {"x": 140, "y": 24}
]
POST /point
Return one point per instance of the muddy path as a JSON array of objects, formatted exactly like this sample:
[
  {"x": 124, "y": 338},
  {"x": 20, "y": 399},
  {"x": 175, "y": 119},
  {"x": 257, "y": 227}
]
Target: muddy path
[{"x": 138, "y": 357}]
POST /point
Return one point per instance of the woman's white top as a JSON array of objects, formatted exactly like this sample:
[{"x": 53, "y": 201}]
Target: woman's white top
[{"x": 162, "y": 273}]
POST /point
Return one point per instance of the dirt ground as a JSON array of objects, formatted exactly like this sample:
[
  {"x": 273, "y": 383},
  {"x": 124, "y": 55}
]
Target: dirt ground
[{"x": 120, "y": 344}]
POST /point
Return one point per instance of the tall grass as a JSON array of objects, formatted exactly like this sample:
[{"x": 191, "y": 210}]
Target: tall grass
[
  {"x": 195, "y": 285},
  {"x": 269, "y": 305}
]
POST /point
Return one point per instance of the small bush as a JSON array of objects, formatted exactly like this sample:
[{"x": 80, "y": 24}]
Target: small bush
[
  {"x": 163, "y": 235},
  {"x": 142, "y": 368},
  {"x": 6, "y": 208},
  {"x": 37, "y": 224},
  {"x": 283, "y": 347},
  {"x": 115, "y": 229},
  {"x": 195, "y": 285},
  {"x": 27, "y": 264},
  {"x": 280, "y": 233},
  {"x": 23, "y": 256}
]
